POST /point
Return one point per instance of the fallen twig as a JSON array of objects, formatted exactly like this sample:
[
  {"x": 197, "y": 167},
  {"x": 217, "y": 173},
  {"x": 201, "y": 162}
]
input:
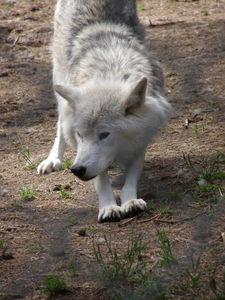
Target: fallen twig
[
  {"x": 179, "y": 221},
  {"x": 16, "y": 40},
  {"x": 122, "y": 224},
  {"x": 150, "y": 219},
  {"x": 188, "y": 241}
]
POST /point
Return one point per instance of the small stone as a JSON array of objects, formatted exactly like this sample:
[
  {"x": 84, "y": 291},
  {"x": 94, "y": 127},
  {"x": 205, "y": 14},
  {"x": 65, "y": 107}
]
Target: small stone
[
  {"x": 223, "y": 237},
  {"x": 4, "y": 192},
  {"x": 150, "y": 176},
  {"x": 101, "y": 240},
  {"x": 181, "y": 172},
  {"x": 196, "y": 112},
  {"x": 202, "y": 182}
]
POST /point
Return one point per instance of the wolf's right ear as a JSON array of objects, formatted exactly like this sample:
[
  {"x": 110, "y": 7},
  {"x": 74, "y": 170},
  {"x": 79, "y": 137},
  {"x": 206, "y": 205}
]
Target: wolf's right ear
[
  {"x": 136, "y": 94},
  {"x": 71, "y": 94}
]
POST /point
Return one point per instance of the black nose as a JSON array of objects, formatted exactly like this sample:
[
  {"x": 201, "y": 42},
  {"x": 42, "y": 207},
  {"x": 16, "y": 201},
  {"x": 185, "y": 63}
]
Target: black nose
[{"x": 79, "y": 171}]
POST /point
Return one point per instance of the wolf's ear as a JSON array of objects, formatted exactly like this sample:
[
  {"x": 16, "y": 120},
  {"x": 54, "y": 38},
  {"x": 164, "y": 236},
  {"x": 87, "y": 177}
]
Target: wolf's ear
[
  {"x": 137, "y": 93},
  {"x": 71, "y": 94}
]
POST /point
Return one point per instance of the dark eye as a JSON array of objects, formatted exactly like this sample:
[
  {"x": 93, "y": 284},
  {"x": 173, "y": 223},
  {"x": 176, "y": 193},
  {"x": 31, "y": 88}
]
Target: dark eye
[
  {"x": 103, "y": 135},
  {"x": 78, "y": 133}
]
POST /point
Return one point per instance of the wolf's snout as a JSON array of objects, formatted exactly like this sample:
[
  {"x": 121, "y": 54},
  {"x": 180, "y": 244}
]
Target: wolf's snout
[{"x": 79, "y": 171}]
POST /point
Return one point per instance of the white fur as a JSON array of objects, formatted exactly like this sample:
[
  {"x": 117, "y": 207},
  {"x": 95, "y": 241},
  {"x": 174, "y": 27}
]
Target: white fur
[{"x": 114, "y": 92}]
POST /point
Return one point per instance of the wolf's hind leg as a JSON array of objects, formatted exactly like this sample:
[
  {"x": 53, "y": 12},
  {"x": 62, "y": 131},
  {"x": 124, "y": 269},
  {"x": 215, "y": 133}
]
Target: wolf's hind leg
[
  {"x": 108, "y": 208},
  {"x": 54, "y": 160},
  {"x": 130, "y": 204}
]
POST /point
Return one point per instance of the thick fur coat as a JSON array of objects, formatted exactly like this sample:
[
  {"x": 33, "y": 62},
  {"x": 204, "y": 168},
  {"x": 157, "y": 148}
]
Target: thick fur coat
[{"x": 110, "y": 96}]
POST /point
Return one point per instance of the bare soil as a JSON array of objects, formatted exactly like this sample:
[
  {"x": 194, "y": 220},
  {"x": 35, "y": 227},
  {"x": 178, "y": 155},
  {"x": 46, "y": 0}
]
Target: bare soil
[{"x": 43, "y": 233}]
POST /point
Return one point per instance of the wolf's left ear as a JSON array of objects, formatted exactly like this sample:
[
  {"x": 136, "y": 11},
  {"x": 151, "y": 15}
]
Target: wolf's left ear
[
  {"x": 71, "y": 94},
  {"x": 137, "y": 93}
]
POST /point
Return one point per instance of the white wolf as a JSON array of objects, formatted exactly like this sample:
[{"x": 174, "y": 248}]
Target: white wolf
[{"x": 110, "y": 96}]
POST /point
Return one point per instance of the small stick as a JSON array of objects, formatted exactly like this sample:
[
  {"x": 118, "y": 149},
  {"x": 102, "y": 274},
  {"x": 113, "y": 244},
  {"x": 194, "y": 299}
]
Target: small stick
[
  {"x": 131, "y": 219},
  {"x": 16, "y": 40},
  {"x": 179, "y": 221},
  {"x": 78, "y": 182},
  {"x": 150, "y": 219},
  {"x": 127, "y": 222}
]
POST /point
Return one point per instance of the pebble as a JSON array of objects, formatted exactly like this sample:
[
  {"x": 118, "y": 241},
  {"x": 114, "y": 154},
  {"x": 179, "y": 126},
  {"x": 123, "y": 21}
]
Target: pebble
[
  {"x": 196, "y": 112},
  {"x": 4, "y": 192},
  {"x": 202, "y": 182},
  {"x": 101, "y": 240},
  {"x": 182, "y": 172},
  {"x": 150, "y": 176}
]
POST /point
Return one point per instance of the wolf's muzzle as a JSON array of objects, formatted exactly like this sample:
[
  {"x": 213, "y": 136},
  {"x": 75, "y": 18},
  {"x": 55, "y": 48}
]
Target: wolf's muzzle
[{"x": 80, "y": 172}]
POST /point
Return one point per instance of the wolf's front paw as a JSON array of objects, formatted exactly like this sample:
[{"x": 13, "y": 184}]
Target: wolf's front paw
[
  {"x": 133, "y": 207},
  {"x": 110, "y": 213},
  {"x": 49, "y": 165}
]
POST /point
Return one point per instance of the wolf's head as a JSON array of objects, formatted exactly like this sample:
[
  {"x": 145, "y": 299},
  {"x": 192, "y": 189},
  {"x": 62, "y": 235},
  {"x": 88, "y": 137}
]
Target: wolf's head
[{"x": 103, "y": 123}]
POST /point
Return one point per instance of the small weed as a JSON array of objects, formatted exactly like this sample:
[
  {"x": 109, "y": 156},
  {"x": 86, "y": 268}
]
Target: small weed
[
  {"x": 199, "y": 128},
  {"x": 16, "y": 204},
  {"x": 219, "y": 291},
  {"x": 67, "y": 164},
  {"x": 131, "y": 267},
  {"x": 211, "y": 26},
  {"x": 37, "y": 248},
  {"x": 189, "y": 163},
  {"x": 166, "y": 254},
  {"x": 150, "y": 205},
  {"x": 164, "y": 211},
  {"x": 9, "y": 3},
  {"x": 73, "y": 267},
  {"x": 90, "y": 228},
  {"x": 64, "y": 193},
  {"x": 208, "y": 178},
  {"x": 193, "y": 273},
  {"x": 205, "y": 13},
  {"x": 141, "y": 7},
  {"x": 4, "y": 249},
  {"x": 127, "y": 277},
  {"x": 71, "y": 220},
  {"x": 28, "y": 193},
  {"x": 191, "y": 277},
  {"x": 54, "y": 285},
  {"x": 24, "y": 153}
]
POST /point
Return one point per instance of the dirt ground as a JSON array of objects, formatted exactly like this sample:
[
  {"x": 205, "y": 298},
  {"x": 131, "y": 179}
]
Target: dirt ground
[{"x": 42, "y": 232}]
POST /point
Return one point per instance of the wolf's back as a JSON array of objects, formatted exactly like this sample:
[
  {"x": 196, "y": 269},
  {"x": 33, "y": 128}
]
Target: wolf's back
[
  {"x": 102, "y": 39},
  {"x": 72, "y": 16},
  {"x": 78, "y": 13}
]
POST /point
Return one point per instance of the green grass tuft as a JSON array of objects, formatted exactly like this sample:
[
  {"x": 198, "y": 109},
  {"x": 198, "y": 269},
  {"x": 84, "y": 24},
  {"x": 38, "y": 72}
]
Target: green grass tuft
[
  {"x": 166, "y": 253},
  {"x": 67, "y": 164},
  {"x": 28, "y": 193},
  {"x": 54, "y": 285},
  {"x": 127, "y": 276},
  {"x": 24, "y": 154}
]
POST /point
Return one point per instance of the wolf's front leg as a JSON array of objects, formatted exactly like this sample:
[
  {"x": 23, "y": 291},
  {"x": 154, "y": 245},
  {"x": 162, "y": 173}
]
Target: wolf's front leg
[
  {"x": 54, "y": 160},
  {"x": 108, "y": 208},
  {"x": 130, "y": 204}
]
